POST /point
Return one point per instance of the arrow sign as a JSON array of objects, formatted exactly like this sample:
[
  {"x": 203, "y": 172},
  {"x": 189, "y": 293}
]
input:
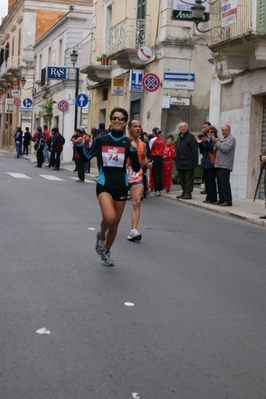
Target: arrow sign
[
  {"x": 176, "y": 76},
  {"x": 82, "y": 100},
  {"x": 27, "y": 102}
]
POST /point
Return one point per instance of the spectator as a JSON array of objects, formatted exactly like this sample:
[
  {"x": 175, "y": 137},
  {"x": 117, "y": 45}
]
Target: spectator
[
  {"x": 38, "y": 138},
  {"x": 225, "y": 153},
  {"x": 47, "y": 135},
  {"x": 57, "y": 144},
  {"x": 26, "y": 142},
  {"x": 186, "y": 160},
  {"x": 206, "y": 147},
  {"x": 78, "y": 158},
  {"x": 168, "y": 157},
  {"x": 102, "y": 130},
  {"x": 157, "y": 146},
  {"x": 18, "y": 141}
]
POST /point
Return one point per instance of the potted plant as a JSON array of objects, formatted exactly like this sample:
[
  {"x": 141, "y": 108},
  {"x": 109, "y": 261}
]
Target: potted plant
[{"x": 103, "y": 59}]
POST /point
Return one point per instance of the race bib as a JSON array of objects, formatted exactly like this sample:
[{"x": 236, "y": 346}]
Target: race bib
[
  {"x": 131, "y": 174},
  {"x": 113, "y": 156}
]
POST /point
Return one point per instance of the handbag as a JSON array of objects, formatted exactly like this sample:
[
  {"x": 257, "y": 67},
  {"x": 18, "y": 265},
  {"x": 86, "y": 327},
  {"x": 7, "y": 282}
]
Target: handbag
[{"x": 212, "y": 157}]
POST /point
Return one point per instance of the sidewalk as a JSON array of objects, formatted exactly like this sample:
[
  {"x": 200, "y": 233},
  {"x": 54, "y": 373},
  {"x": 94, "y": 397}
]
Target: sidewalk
[{"x": 244, "y": 209}]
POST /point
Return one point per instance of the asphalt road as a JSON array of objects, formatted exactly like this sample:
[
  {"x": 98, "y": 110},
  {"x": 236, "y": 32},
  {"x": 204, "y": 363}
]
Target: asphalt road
[{"x": 196, "y": 280}]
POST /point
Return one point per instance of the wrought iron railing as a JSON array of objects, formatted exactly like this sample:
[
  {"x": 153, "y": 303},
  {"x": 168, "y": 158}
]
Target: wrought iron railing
[{"x": 129, "y": 34}]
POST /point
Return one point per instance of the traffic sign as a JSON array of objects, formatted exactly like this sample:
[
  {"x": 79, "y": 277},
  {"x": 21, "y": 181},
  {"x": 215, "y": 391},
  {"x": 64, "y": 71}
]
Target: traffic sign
[
  {"x": 26, "y": 109},
  {"x": 135, "y": 80},
  {"x": 17, "y": 101},
  {"x": 176, "y": 76},
  {"x": 181, "y": 85},
  {"x": 144, "y": 53},
  {"x": 63, "y": 105},
  {"x": 151, "y": 82},
  {"x": 82, "y": 100},
  {"x": 15, "y": 93},
  {"x": 27, "y": 102}
]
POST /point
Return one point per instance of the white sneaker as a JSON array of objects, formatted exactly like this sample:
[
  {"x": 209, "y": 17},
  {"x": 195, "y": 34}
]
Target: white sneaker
[
  {"x": 155, "y": 194},
  {"x": 108, "y": 261},
  {"x": 134, "y": 235},
  {"x": 100, "y": 245}
]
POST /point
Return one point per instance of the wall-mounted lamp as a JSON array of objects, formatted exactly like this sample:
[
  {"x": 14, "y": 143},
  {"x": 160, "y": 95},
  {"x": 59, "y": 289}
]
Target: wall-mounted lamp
[
  {"x": 23, "y": 81},
  {"x": 197, "y": 15},
  {"x": 74, "y": 57}
]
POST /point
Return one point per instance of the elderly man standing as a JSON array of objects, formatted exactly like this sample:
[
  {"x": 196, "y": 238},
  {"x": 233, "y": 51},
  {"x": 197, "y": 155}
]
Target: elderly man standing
[
  {"x": 225, "y": 153},
  {"x": 186, "y": 160}
]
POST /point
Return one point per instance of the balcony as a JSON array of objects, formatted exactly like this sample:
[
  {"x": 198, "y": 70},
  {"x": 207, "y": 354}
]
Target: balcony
[
  {"x": 10, "y": 71},
  {"x": 125, "y": 39},
  {"x": 92, "y": 60},
  {"x": 241, "y": 42}
]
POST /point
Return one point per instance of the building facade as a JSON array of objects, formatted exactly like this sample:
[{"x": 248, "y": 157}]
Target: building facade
[
  {"x": 57, "y": 80},
  {"x": 238, "y": 89},
  {"x": 111, "y": 60},
  {"x": 25, "y": 23}
]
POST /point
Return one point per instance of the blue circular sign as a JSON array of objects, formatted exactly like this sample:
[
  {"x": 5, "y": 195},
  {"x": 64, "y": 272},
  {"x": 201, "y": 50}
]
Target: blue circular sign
[
  {"x": 82, "y": 100},
  {"x": 27, "y": 102}
]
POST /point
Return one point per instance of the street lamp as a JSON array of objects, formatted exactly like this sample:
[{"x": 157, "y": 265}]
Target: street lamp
[
  {"x": 197, "y": 15},
  {"x": 23, "y": 81},
  {"x": 74, "y": 58}
]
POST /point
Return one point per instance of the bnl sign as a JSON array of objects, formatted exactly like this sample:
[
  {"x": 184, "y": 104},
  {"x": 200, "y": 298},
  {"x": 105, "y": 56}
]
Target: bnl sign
[{"x": 56, "y": 72}]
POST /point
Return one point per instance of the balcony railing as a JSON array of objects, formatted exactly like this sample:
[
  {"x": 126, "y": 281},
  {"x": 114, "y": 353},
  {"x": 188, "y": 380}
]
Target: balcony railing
[
  {"x": 12, "y": 62},
  {"x": 129, "y": 34}
]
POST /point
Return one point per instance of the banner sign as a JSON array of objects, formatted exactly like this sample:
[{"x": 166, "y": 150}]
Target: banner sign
[{"x": 229, "y": 12}]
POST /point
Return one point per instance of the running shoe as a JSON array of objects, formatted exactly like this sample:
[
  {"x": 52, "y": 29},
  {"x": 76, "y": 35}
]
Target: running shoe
[
  {"x": 107, "y": 260},
  {"x": 134, "y": 235},
  {"x": 100, "y": 245},
  {"x": 155, "y": 194}
]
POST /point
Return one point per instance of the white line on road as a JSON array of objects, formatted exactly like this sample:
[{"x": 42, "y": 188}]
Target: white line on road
[
  {"x": 19, "y": 175},
  {"x": 49, "y": 177}
]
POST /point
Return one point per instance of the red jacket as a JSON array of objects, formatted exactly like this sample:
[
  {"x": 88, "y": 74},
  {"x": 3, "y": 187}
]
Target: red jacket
[
  {"x": 169, "y": 153},
  {"x": 157, "y": 146}
]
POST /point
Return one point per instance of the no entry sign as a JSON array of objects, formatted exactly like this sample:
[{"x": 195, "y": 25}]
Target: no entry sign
[{"x": 151, "y": 82}]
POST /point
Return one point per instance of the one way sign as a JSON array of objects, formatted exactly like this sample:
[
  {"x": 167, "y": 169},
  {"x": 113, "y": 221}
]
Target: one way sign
[
  {"x": 82, "y": 100},
  {"x": 190, "y": 77}
]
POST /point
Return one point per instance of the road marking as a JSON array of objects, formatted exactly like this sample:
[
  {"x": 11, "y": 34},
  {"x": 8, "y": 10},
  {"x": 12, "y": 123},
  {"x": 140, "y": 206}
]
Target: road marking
[
  {"x": 19, "y": 175},
  {"x": 86, "y": 181},
  {"x": 49, "y": 177}
]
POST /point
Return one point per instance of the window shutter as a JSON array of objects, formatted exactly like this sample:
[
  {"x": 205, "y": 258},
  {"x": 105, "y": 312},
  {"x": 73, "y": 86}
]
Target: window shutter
[{"x": 261, "y": 19}]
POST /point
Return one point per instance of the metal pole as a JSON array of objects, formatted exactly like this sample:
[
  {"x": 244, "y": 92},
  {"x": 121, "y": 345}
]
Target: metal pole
[
  {"x": 165, "y": 123},
  {"x": 76, "y": 94}
]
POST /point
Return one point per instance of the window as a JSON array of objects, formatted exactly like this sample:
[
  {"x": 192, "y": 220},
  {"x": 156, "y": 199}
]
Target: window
[
  {"x": 261, "y": 16},
  {"x": 141, "y": 9},
  {"x": 105, "y": 94},
  {"x": 141, "y": 23}
]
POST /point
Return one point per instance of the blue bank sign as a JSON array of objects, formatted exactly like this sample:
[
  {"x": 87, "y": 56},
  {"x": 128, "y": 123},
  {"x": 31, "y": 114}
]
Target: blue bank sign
[{"x": 56, "y": 72}]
